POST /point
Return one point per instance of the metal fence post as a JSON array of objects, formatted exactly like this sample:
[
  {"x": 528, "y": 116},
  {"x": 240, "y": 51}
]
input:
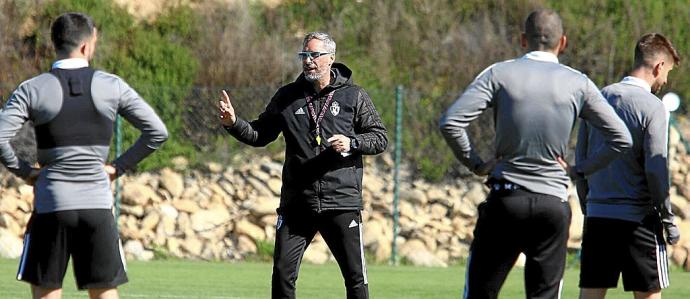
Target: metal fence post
[{"x": 396, "y": 171}]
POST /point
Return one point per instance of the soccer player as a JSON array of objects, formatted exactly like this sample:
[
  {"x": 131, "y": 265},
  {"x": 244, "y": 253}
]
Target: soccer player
[
  {"x": 73, "y": 108},
  {"x": 536, "y": 102},
  {"x": 328, "y": 123},
  {"x": 628, "y": 205}
]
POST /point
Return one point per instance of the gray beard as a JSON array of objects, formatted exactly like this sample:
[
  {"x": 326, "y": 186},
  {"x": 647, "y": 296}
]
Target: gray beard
[{"x": 313, "y": 77}]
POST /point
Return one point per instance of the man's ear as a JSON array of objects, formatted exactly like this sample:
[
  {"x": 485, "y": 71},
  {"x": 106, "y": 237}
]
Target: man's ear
[
  {"x": 84, "y": 48},
  {"x": 562, "y": 44},
  {"x": 656, "y": 70}
]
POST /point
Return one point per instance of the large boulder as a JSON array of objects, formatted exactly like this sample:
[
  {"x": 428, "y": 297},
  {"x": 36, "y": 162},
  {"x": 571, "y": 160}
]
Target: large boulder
[
  {"x": 180, "y": 163},
  {"x": 245, "y": 227},
  {"x": 8, "y": 202},
  {"x": 262, "y": 205},
  {"x": 186, "y": 205},
  {"x": 425, "y": 258},
  {"x": 150, "y": 221},
  {"x": 275, "y": 184},
  {"x": 214, "y": 167},
  {"x": 137, "y": 194},
  {"x": 172, "y": 181},
  {"x": 259, "y": 185},
  {"x": 317, "y": 253},
  {"x": 9, "y": 223},
  {"x": 272, "y": 168},
  {"x": 192, "y": 245},
  {"x": 10, "y": 245},
  {"x": 135, "y": 250},
  {"x": 476, "y": 194},
  {"x": 414, "y": 196},
  {"x": 440, "y": 195},
  {"x": 246, "y": 245},
  {"x": 208, "y": 219}
]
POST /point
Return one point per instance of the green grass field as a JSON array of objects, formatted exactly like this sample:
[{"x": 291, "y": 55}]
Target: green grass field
[{"x": 190, "y": 279}]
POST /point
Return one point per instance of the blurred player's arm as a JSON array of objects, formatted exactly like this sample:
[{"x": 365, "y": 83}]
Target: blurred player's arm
[
  {"x": 153, "y": 131},
  {"x": 656, "y": 170},
  {"x": 12, "y": 117},
  {"x": 601, "y": 116},
  {"x": 476, "y": 98},
  {"x": 581, "y": 155}
]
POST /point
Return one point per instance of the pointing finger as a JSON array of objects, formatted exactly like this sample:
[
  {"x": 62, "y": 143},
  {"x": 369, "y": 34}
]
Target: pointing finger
[{"x": 226, "y": 97}]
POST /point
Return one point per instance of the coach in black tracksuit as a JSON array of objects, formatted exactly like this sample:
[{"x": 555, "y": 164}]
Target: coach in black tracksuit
[{"x": 328, "y": 124}]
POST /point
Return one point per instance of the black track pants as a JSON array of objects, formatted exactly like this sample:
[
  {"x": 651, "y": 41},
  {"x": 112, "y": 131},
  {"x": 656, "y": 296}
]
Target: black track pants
[
  {"x": 515, "y": 221},
  {"x": 342, "y": 231}
]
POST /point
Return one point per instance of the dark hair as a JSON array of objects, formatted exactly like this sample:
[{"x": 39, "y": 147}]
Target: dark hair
[
  {"x": 69, "y": 30},
  {"x": 650, "y": 46},
  {"x": 543, "y": 29}
]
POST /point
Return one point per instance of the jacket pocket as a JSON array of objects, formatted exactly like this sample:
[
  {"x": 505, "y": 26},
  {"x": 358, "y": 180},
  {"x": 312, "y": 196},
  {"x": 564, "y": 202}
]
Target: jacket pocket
[{"x": 342, "y": 188}]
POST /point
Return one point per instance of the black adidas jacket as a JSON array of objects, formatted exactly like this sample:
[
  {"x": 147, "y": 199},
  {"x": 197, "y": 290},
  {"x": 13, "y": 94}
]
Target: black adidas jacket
[{"x": 317, "y": 177}]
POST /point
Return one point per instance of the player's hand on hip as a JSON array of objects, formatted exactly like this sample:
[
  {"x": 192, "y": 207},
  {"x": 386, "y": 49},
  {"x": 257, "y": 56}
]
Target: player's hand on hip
[
  {"x": 111, "y": 171},
  {"x": 226, "y": 111},
  {"x": 486, "y": 167},
  {"x": 33, "y": 176},
  {"x": 672, "y": 233},
  {"x": 340, "y": 143},
  {"x": 569, "y": 170}
]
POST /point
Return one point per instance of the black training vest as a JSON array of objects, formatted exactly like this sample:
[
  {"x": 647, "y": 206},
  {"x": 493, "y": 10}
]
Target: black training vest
[{"x": 78, "y": 122}]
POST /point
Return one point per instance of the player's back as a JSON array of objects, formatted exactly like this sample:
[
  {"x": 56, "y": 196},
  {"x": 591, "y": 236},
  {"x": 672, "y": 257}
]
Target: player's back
[
  {"x": 73, "y": 110},
  {"x": 625, "y": 180},
  {"x": 536, "y": 105}
]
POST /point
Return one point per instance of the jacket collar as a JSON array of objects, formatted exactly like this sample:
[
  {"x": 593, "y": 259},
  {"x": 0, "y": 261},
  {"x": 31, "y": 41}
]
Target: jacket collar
[
  {"x": 631, "y": 80},
  {"x": 71, "y": 63},
  {"x": 341, "y": 76},
  {"x": 542, "y": 56}
]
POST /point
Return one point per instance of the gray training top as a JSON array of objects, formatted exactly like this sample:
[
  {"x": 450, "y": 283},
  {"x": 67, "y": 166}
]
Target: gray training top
[
  {"x": 536, "y": 101},
  {"x": 72, "y": 176},
  {"x": 635, "y": 184}
]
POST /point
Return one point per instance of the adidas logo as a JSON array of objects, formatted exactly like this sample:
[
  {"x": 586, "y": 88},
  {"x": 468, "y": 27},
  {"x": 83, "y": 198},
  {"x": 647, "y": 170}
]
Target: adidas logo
[
  {"x": 352, "y": 224},
  {"x": 299, "y": 111}
]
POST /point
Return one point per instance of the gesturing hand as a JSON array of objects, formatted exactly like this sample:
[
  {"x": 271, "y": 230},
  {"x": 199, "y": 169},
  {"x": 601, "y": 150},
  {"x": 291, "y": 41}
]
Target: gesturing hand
[
  {"x": 227, "y": 112},
  {"x": 340, "y": 143}
]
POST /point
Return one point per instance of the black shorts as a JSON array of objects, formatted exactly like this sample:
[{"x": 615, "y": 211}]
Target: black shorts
[
  {"x": 611, "y": 247},
  {"x": 90, "y": 237}
]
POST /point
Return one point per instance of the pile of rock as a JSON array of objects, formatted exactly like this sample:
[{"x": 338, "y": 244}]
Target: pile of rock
[
  {"x": 224, "y": 212},
  {"x": 228, "y": 213}
]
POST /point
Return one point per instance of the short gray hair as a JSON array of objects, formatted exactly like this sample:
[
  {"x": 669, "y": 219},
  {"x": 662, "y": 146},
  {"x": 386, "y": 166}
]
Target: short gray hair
[{"x": 328, "y": 42}]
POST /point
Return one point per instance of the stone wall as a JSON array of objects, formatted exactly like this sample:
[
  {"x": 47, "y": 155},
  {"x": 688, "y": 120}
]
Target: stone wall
[{"x": 223, "y": 213}]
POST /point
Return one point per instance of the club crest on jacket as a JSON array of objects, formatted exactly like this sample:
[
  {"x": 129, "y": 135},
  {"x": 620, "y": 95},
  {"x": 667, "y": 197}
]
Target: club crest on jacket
[{"x": 335, "y": 108}]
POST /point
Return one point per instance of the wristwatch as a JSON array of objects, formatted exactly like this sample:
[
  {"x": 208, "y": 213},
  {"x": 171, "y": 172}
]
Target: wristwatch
[{"x": 354, "y": 144}]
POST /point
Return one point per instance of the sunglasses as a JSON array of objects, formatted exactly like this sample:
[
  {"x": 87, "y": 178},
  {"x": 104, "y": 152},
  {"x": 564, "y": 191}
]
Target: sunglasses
[{"x": 312, "y": 55}]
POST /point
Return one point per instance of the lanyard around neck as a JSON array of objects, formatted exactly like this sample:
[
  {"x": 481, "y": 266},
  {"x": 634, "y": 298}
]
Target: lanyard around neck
[{"x": 312, "y": 111}]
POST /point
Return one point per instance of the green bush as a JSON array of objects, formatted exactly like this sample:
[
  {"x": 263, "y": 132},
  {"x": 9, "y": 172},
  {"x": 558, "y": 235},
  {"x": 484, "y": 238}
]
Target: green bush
[
  {"x": 150, "y": 57},
  {"x": 433, "y": 48}
]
